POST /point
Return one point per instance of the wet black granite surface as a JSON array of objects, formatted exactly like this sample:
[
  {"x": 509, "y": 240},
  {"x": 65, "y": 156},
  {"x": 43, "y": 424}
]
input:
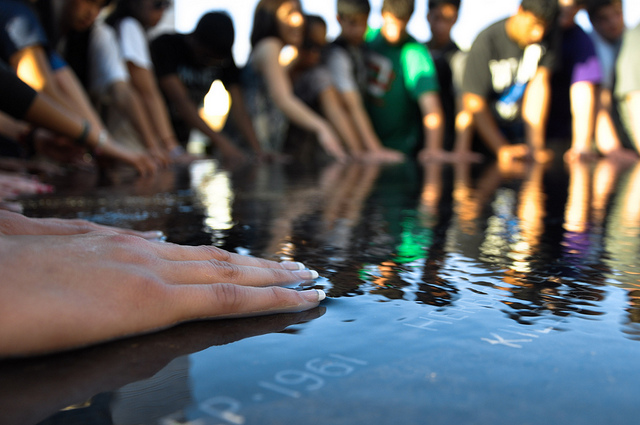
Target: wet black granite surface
[{"x": 457, "y": 294}]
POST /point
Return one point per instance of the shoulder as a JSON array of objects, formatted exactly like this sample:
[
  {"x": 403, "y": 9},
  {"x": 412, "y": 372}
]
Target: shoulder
[
  {"x": 168, "y": 41},
  {"x": 632, "y": 35},
  {"x": 103, "y": 36},
  {"x": 337, "y": 53},
  {"x": 267, "y": 48},
  {"x": 493, "y": 32},
  {"x": 372, "y": 35},
  {"x": 19, "y": 22},
  {"x": 12, "y": 9},
  {"x": 130, "y": 24}
]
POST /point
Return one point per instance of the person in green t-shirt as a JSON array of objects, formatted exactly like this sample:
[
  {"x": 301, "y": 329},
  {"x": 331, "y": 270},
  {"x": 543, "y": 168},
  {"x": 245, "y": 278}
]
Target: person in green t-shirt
[{"x": 402, "y": 87}]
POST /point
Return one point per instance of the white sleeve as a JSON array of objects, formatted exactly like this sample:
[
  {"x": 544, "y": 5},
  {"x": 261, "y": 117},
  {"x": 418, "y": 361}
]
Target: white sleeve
[
  {"x": 341, "y": 69},
  {"x": 134, "y": 44},
  {"x": 106, "y": 65}
]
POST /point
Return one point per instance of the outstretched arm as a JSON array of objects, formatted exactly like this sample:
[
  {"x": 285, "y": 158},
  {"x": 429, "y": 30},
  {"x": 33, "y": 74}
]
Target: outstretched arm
[{"x": 535, "y": 111}]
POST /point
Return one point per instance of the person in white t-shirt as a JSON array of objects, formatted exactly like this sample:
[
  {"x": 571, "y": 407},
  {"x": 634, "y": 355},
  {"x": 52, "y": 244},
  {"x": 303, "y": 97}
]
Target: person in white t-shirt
[
  {"x": 131, "y": 20},
  {"x": 91, "y": 49},
  {"x": 607, "y": 19}
]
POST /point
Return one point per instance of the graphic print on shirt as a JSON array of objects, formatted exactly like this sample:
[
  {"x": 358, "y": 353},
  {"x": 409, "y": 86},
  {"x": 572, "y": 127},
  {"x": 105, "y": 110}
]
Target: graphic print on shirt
[
  {"x": 511, "y": 77},
  {"x": 380, "y": 75}
]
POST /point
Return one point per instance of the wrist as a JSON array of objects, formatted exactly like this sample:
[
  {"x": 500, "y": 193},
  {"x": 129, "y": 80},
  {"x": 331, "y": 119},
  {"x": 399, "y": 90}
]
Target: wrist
[{"x": 100, "y": 141}]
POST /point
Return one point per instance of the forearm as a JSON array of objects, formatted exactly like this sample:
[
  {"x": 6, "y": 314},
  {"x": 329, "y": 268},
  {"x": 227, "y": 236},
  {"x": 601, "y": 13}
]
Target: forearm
[
  {"x": 146, "y": 86},
  {"x": 157, "y": 110},
  {"x": 77, "y": 97},
  {"x": 489, "y": 131},
  {"x": 189, "y": 113},
  {"x": 633, "y": 103},
  {"x": 583, "y": 115},
  {"x": 299, "y": 113},
  {"x": 607, "y": 138},
  {"x": 11, "y": 128},
  {"x": 535, "y": 109},
  {"x": 45, "y": 113},
  {"x": 432, "y": 121},
  {"x": 333, "y": 111},
  {"x": 241, "y": 118},
  {"x": 361, "y": 121},
  {"x": 127, "y": 101},
  {"x": 464, "y": 131}
]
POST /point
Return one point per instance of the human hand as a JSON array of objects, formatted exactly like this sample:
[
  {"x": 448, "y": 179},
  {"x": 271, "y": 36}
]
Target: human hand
[
  {"x": 160, "y": 156},
  {"x": 434, "y": 155},
  {"x": 231, "y": 155},
  {"x": 508, "y": 153},
  {"x": 622, "y": 156},
  {"x": 58, "y": 148},
  {"x": 466, "y": 156},
  {"x": 577, "y": 155},
  {"x": 17, "y": 224},
  {"x": 12, "y": 185},
  {"x": 142, "y": 162},
  {"x": 384, "y": 155},
  {"x": 331, "y": 144},
  {"x": 542, "y": 156},
  {"x": 62, "y": 292}
]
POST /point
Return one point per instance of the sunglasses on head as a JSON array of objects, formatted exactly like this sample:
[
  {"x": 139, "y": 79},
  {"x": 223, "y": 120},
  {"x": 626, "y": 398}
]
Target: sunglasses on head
[{"x": 161, "y": 4}]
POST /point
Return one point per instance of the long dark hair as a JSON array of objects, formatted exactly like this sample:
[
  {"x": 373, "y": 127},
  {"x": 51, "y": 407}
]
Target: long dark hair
[{"x": 265, "y": 22}]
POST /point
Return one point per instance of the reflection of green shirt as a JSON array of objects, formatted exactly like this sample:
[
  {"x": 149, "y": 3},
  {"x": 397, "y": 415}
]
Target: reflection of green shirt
[{"x": 397, "y": 76}]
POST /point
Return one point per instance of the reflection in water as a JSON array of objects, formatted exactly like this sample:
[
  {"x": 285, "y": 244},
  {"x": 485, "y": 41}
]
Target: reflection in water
[
  {"x": 532, "y": 243},
  {"x": 546, "y": 238},
  {"x": 375, "y": 230}
]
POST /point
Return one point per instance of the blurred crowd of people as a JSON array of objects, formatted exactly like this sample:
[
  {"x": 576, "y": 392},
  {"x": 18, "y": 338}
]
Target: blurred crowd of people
[
  {"x": 83, "y": 85},
  {"x": 377, "y": 95}
]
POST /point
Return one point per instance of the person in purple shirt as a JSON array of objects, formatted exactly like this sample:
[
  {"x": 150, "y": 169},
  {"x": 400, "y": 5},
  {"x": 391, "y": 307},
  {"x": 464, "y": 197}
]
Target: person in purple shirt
[{"x": 573, "y": 86}]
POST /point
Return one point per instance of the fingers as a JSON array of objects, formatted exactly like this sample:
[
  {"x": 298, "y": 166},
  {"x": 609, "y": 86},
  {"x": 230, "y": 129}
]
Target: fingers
[
  {"x": 216, "y": 271},
  {"x": 227, "y": 300},
  {"x": 175, "y": 252}
]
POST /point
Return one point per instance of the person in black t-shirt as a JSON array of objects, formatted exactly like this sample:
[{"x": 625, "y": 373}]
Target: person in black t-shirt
[
  {"x": 449, "y": 60},
  {"x": 506, "y": 82},
  {"x": 187, "y": 65}
]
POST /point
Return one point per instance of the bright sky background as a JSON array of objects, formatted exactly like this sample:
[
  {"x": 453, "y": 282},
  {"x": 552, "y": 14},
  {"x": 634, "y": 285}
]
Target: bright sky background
[{"x": 474, "y": 16}]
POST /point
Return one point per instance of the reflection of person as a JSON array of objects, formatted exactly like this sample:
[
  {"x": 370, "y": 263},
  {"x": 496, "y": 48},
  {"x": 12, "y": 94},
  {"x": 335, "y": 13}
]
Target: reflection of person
[
  {"x": 628, "y": 84},
  {"x": 346, "y": 62},
  {"x": 187, "y": 64},
  {"x": 268, "y": 87},
  {"x": 402, "y": 91},
  {"x": 103, "y": 369},
  {"x": 64, "y": 288},
  {"x": 506, "y": 81}
]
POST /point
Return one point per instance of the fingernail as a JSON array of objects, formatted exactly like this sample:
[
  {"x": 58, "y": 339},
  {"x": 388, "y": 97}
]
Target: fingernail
[
  {"x": 314, "y": 295},
  {"x": 156, "y": 234},
  {"x": 307, "y": 274},
  {"x": 292, "y": 265}
]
